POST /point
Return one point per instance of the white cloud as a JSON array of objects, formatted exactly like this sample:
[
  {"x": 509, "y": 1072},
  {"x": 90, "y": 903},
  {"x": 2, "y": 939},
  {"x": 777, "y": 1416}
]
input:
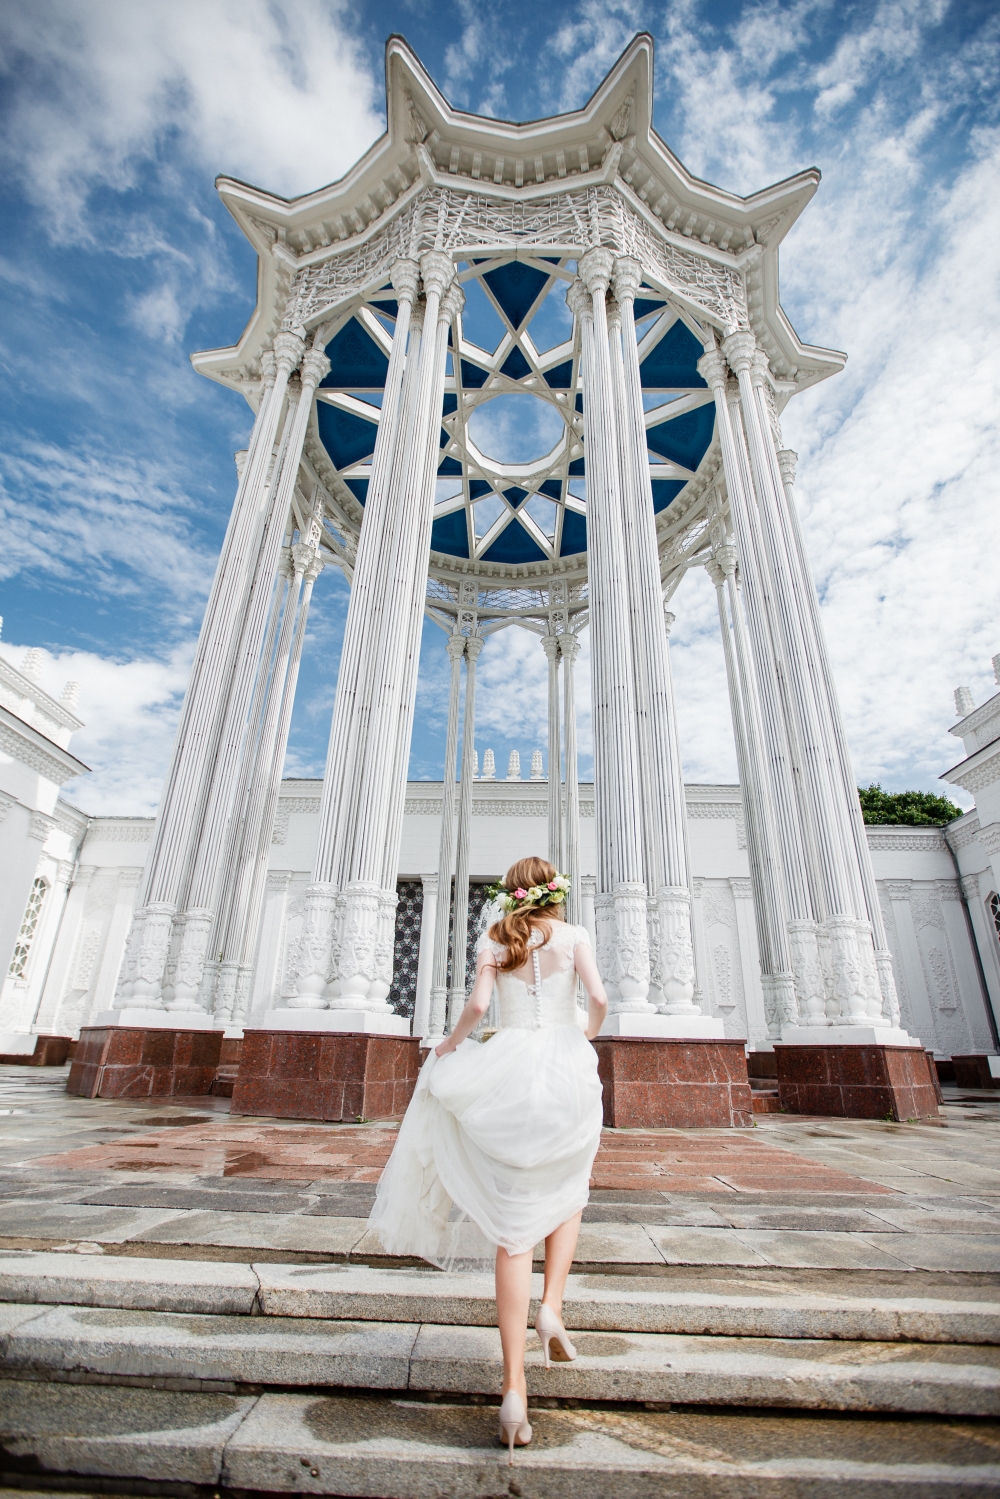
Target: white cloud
[
  {"x": 276, "y": 93},
  {"x": 129, "y": 710}
]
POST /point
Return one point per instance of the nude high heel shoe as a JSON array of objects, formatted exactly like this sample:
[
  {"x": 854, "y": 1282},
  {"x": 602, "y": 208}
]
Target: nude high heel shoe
[
  {"x": 556, "y": 1346},
  {"x": 514, "y": 1425}
]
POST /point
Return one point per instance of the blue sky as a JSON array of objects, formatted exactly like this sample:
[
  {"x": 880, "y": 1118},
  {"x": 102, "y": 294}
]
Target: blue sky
[{"x": 117, "y": 260}]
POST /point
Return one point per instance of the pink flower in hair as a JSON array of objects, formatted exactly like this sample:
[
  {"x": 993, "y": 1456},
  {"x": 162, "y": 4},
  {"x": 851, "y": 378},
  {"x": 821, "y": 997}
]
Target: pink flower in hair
[
  {"x": 551, "y": 885},
  {"x": 521, "y": 894}
]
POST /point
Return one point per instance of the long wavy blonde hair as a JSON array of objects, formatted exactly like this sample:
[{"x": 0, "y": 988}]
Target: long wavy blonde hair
[{"x": 514, "y": 929}]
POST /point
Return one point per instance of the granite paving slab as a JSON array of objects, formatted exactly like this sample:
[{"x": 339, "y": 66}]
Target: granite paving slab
[
  {"x": 828, "y": 1250},
  {"x": 948, "y": 1251},
  {"x": 710, "y": 1246},
  {"x": 610, "y": 1303},
  {"x": 416, "y": 1450},
  {"x": 94, "y": 1431},
  {"x": 160, "y": 1195},
  {"x": 260, "y": 1231},
  {"x": 56, "y": 1220},
  {"x": 229, "y": 1349},
  {"x": 152, "y": 1285}
]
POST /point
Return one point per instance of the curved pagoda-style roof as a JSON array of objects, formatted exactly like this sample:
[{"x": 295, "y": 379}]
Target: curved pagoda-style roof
[{"x": 515, "y": 205}]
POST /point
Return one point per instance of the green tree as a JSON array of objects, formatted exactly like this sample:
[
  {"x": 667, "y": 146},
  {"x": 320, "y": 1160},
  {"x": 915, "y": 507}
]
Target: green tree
[{"x": 915, "y": 809}]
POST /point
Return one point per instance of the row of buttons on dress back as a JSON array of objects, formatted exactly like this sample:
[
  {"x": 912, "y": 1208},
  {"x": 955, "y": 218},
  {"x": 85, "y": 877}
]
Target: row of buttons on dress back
[{"x": 536, "y": 988}]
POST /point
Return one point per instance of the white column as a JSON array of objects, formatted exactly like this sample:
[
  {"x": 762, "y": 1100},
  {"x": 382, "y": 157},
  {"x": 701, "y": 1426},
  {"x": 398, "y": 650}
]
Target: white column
[
  {"x": 258, "y": 825},
  {"x": 67, "y": 942},
  {"x": 425, "y": 955},
  {"x": 550, "y": 645},
  {"x": 826, "y": 693},
  {"x": 762, "y": 838},
  {"x": 661, "y": 777},
  {"x": 220, "y": 808},
  {"x": 765, "y": 648},
  {"x": 460, "y": 930},
  {"x": 569, "y": 649},
  {"x": 438, "y": 1003},
  {"x": 185, "y": 787},
  {"x": 129, "y": 883},
  {"x": 620, "y": 905},
  {"x": 852, "y": 976}
]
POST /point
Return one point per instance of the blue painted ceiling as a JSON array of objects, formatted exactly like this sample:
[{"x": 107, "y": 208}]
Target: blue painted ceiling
[{"x": 518, "y": 307}]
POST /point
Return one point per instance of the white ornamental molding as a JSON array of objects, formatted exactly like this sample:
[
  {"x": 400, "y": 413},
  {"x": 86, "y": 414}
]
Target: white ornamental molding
[
  {"x": 459, "y": 223},
  {"x": 278, "y": 879},
  {"x": 40, "y": 826},
  {"x": 912, "y": 840},
  {"x": 124, "y": 830},
  {"x": 422, "y": 806},
  {"x": 742, "y": 889},
  {"x": 726, "y": 811},
  {"x": 989, "y": 838},
  {"x": 129, "y": 876},
  {"x": 897, "y": 889},
  {"x": 980, "y": 777},
  {"x": 966, "y": 834},
  {"x": 6, "y": 802},
  {"x": 72, "y": 825},
  {"x": 34, "y": 757}
]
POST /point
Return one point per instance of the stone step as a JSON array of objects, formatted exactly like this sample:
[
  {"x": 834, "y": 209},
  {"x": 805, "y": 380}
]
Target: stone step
[
  {"x": 84, "y": 1437},
  {"x": 594, "y": 1303},
  {"x": 200, "y": 1351},
  {"x": 765, "y": 1101}
]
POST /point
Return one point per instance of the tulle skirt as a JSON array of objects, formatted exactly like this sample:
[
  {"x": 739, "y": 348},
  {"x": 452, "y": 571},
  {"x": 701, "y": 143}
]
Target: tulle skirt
[{"x": 496, "y": 1148}]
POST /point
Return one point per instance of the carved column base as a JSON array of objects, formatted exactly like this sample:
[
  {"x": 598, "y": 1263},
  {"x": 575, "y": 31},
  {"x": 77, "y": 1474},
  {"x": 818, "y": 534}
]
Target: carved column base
[
  {"x": 849, "y": 978},
  {"x": 809, "y": 999},
  {"x": 887, "y": 985},
  {"x": 780, "y": 1007},
  {"x": 437, "y": 1016},
  {"x": 674, "y": 972},
  {"x": 360, "y": 982},
  {"x": 145, "y": 961},
  {"x": 623, "y": 948},
  {"x": 190, "y": 962},
  {"x": 313, "y": 958}
]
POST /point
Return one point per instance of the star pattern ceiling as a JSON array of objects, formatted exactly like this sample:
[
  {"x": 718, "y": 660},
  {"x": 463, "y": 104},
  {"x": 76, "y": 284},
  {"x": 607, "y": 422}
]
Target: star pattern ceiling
[{"x": 511, "y": 484}]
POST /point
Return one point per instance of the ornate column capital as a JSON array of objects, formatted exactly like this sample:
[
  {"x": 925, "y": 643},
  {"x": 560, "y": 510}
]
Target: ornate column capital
[
  {"x": 715, "y": 572},
  {"x": 406, "y": 280},
  {"x": 268, "y": 369},
  {"x": 84, "y": 874},
  {"x": 304, "y": 556},
  {"x": 315, "y": 367},
  {"x": 456, "y": 646},
  {"x": 452, "y": 302},
  {"x": 627, "y": 278},
  {"x": 437, "y": 271},
  {"x": 787, "y": 460},
  {"x": 288, "y": 350},
  {"x": 739, "y": 349},
  {"x": 473, "y": 645},
  {"x": 550, "y": 645},
  {"x": 40, "y": 826},
  {"x": 596, "y": 267},
  {"x": 726, "y": 557},
  {"x": 578, "y": 299},
  {"x": 569, "y": 647},
  {"x": 760, "y": 368},
  {"x": 713, "y": 369}
]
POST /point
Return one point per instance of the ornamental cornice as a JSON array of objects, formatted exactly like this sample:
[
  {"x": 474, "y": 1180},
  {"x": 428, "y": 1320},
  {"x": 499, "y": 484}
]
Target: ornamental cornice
[
  {"x": 121, "y": 829},
  {"x": 965, "y": 833},
  {"x": 989, "y": 839},
  {"x": 906, "y": 840},
  {"x": 985, "y": 772},
  {"x": 460, "y": 223},
  {"x": 26, "y": 745}
]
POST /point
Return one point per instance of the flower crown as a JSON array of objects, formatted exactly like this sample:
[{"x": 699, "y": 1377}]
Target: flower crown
[{"x": 551, "y": 894}]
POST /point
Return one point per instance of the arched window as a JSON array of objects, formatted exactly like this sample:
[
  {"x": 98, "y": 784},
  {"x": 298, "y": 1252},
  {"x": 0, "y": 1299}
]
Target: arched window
[{"x": 28, "y": 927}]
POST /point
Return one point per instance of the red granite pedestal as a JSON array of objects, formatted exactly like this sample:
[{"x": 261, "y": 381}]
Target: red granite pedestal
[
  {"x": 660, "y": 1084},
  {"x": 141, "y": 1062},
  {"x": 856, "y": 1082},
  {"x": 336, "y": 1075},
  {"x": 974, "y": 1071},
  {"x": 50, "y": 1051}
]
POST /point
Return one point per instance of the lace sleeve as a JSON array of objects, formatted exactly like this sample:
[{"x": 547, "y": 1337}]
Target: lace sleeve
[
  {"x": 487, "y": 945},
  {"x": 580, "y": 937}
]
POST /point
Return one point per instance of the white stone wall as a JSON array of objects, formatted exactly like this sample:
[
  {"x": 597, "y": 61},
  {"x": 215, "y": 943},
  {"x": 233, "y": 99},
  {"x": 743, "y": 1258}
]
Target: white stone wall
[{"x": 934, "y": 962}]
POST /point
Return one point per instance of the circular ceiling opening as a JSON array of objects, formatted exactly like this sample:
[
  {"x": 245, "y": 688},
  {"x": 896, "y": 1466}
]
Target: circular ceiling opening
[{"x": 515, "y": 428}]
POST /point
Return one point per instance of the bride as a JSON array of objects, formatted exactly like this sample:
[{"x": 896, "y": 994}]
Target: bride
[{"x": 495, "y": 1152}]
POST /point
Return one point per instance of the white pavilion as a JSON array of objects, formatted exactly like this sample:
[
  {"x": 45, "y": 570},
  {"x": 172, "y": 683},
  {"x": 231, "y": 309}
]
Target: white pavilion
[{"x": 570, "y": 274}]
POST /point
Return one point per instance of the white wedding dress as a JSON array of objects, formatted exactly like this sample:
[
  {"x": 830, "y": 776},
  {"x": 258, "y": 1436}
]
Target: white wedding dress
[{"x": 498, "y": 1142}]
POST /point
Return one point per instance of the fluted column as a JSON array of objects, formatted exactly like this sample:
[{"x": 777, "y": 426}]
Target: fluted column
[
  {"x": 460, "y": 932},
  {"x": 425, "y": 956},
  {"x": 662, "y": 778},
  {"x": 762, "y": 839},
  {"x": 829, "y": 701},
  {"x": 220, "y": 807},
  {"x": 185, "y": 787},
  {"x": 622, "y": 936},
  {"x": 569, "y": 649},
  {"x": 765, "y": 648},
  {"x": 438, "y": 1008},
  {"x": 550, "y": 645},
  {"x": 853, "y": 981}
]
